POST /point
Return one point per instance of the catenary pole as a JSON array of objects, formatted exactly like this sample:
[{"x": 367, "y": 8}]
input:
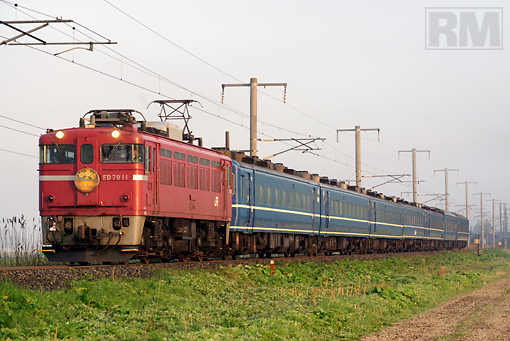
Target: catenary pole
[
  {"x": 357, "y": 136},
  {"x": 446, "y": 194},
  {"x": 253, "y": 107},
  {"x": 415, "y": 176}
]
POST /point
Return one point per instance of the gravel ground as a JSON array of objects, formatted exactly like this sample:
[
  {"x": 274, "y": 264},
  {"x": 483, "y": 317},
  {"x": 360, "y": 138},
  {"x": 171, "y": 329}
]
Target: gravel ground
[
  {"x": 53, "y": 277},
  {"x": 482, "y": 315}
]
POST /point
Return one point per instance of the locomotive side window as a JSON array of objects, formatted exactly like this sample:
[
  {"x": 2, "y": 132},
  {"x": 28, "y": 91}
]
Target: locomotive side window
[
  {"x": 179, "y": 156},
  {"x": 122, "y": 153},
  {"x": 165, "y": 152},
  {"x": 147, "y": 159},
  {"x": 86, "y": 153},
  {"x": 192, "y": 158},
  {"x": 57, "y": 153}
]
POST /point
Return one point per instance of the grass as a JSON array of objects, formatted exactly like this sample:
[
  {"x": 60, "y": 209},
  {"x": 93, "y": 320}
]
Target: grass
[
  {"x": 301, "y": 301},
  {"x": 20, "y": 242}
]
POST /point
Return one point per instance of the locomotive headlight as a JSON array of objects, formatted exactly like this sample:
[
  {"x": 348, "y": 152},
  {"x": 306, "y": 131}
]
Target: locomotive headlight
[
  {"x": 59, "y": 134},
  {"x": 115, "y": 134},
  {"x": 51, "y": 198}
]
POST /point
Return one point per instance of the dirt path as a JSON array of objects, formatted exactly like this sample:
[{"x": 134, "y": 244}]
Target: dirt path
[{"x": 483, "y": 314}]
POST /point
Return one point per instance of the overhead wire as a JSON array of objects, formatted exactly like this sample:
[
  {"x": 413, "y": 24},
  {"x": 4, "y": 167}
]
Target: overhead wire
[
  {"x": 13, "y": 152},
  {"x": 147, "y": 71}
]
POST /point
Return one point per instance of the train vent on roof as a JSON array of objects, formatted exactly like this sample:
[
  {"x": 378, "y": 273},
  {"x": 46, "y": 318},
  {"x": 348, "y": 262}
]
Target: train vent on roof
[
  {"x": 304, "y": 174},
  {"x": 279, "y": 167}
]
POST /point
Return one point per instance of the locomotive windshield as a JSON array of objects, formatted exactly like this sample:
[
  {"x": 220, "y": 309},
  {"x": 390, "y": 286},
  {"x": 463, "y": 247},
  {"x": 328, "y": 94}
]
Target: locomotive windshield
[
  {"x": 57, "y": 153},
  {"x": 122, "y": 153}
]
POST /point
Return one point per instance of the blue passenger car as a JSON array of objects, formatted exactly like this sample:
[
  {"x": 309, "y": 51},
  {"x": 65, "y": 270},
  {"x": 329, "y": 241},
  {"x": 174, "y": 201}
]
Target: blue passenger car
[{"x": 273, "y": 210}]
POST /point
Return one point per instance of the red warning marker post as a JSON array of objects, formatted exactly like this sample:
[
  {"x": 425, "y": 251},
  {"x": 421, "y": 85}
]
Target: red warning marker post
[{"x": 271, "y": 265}]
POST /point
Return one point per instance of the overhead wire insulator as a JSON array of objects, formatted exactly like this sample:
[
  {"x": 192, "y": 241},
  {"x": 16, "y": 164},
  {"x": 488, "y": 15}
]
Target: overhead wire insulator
[{"x": 284, "y": 94}]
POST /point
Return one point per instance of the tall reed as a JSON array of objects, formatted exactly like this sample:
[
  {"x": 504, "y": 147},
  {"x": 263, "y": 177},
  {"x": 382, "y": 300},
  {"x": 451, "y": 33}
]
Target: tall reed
[{"x": 20, "y": 242}]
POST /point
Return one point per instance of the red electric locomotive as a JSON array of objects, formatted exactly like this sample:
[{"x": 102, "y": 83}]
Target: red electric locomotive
[{"x": 116, "y": 188}]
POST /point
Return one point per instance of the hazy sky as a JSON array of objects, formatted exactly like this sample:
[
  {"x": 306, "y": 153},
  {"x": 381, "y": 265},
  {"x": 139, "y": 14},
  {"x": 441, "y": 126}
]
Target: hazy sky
[{"x": 346, "y": 63}]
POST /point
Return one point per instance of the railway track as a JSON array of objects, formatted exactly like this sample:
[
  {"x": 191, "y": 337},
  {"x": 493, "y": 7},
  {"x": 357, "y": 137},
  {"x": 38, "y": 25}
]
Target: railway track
[{"x": 51, "y": 277}]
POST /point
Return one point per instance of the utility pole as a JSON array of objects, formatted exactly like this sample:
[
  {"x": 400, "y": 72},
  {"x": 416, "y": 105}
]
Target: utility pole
[
  {"x": 446, "y": 195},
  {"x": 467, "y": 199},
  {"x": 357, "y": 137},
  {"x": 506, "y": 227},
  {"x": 415, "y": 181},
  {"x": 481, "y": 217},
  {"x": 501, "y": 221},
  {"x": 493, "y": 222},
  {"x": 253, "y": 107}
]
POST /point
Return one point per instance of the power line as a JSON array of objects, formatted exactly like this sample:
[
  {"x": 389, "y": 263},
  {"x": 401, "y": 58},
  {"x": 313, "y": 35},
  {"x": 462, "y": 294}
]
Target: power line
[
  {"x": 171, "y": 42},
  {"x": 19, "y": 131},
  {"x": 28, "y": 124},
  {"x": 156, "y": 75},
  {"x": 13, "y": 152}
]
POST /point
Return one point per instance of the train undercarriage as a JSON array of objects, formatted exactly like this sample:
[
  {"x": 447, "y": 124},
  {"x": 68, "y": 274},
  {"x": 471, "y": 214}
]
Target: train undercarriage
[{"x": 169, "y": 239}]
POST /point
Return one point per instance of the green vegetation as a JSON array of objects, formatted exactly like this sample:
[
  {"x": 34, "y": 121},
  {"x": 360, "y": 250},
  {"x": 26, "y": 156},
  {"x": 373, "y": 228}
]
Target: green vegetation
[
  {"x": 301, "y": 301},
  {"x": 20, "y": 242}
]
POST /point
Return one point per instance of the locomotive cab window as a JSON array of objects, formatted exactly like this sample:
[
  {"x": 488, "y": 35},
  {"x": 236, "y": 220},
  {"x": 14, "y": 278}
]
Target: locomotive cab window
[
  {"x": 57, "y": 153},
  {"x": 86, "y": 154},
  {"x": 122, "y": 153}
]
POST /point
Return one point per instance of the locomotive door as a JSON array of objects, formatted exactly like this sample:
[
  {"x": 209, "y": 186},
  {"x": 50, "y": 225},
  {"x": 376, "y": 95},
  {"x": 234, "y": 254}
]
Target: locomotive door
[
  {"x": 151, "y": 191},
  {"x": 88, "y": 158}
]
